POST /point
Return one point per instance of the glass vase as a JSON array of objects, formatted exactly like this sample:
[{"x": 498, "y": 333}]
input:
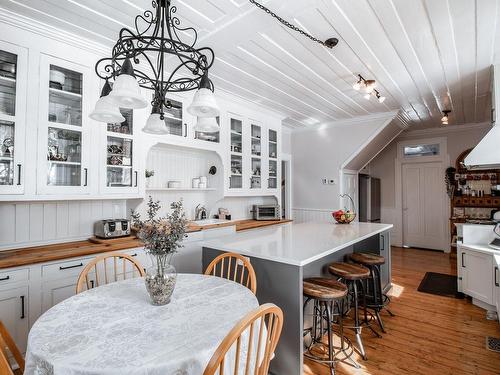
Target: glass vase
[{"x": 160, "y": 279}]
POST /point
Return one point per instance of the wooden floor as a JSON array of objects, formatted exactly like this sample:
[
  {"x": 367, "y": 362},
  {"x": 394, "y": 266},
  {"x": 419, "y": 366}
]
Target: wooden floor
[{"x": 429, "y": 334}]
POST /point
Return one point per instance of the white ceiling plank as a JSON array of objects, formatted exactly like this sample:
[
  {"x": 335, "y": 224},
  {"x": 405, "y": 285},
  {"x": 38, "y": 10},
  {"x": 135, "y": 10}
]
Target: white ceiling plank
[
  {"x": 426, "y": 55},
  {"x": 444, "y": 35},
  {"x": 405, "y": 26}
]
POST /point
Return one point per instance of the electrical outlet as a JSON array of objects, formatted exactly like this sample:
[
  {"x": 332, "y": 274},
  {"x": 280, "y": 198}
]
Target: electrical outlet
[
  {"x": 331, "y": 181},
  {"x": 324, "y": 181}
]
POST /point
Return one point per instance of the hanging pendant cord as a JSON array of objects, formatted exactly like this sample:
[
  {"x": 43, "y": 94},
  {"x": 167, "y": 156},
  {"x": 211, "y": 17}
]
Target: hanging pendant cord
[{"x": 330, "y": 43}]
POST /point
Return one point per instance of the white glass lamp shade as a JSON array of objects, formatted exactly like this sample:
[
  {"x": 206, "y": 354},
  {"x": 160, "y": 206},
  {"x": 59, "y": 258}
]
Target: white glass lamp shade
[
  {"x": 127, "y": 93},
  {"x": 155, "y": 125},
  {"x": 106, "y": 111},
  {"x": 207, "y": 125},
  {"x": 204, "y": 104}
]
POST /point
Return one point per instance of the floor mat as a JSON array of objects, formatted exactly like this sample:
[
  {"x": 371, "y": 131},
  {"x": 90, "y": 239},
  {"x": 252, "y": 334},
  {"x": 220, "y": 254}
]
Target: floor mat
[
  {"x": 440, "y": 284},
  {"x": 493, "y": 344}
]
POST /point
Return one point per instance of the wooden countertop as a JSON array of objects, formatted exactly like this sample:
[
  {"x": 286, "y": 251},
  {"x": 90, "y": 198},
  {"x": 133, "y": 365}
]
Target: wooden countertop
[{"x": 40, "y": 254}]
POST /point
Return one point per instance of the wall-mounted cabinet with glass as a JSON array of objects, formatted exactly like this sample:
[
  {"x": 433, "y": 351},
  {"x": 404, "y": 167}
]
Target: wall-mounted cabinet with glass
[
  {"x": 256, "y": 151},
  {"x": 64, "y": 141},
  {"x": 236, "y": 149},
  {"x": 121, "y": 173},
  {"x": 13, "y": 71},
  {"x": 273, "y": 159}
]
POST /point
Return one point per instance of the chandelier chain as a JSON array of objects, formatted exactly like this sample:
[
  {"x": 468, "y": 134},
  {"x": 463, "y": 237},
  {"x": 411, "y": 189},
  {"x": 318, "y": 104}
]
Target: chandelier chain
[{"x": 288, "y": 24}]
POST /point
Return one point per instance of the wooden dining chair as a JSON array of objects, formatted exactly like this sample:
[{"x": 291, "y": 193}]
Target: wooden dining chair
[
  {"x": 267, "y": 316},
  {"x": 7, "y": 345},
  {"x": 234, "y": 267},
  {"x": 106, "y": 269}
]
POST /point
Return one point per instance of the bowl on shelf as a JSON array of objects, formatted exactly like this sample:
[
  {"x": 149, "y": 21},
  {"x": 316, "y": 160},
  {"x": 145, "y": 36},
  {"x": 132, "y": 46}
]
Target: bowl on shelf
[
  {"x": 343, "y": 217},
  {"x": 174, "y": 184}
]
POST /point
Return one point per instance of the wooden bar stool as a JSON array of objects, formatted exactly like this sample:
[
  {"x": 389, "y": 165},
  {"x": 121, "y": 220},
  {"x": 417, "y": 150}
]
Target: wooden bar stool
[
  {"x": 355, "y": 275},
  {"x": 328, "y": 294},
  {"x": 377, "y": 300}
]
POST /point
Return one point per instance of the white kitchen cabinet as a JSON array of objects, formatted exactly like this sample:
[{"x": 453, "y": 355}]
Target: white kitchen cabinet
[
  {"x": 254, "y": 150},
  {"x": 65, "y": 144},
  {"x": 120, "y": 171},
  {"x": 13, "y": 81},
  {"x": 14, "y": 313},
  {"x": 477, "y": 275},
  {"x": 496, "y": 287}
]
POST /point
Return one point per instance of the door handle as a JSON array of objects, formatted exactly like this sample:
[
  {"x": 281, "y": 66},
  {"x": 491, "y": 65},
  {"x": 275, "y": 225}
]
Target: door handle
[
  {"x": 19, "y": 166},
  {"x": 185, "y": 130},
  {"x": 136, "y": 178},
  {"x": 5, "y": 278},
  {"x": 69, "y": 267},
  {"x": 496, "y": 279},
  {"x": 383, "y": 242},
  {"x": 22, "y": 307},
  {"x": 85, "y": 171},
  {"x": 463, "y": 261},
  {"x": 91, "y": 284}
]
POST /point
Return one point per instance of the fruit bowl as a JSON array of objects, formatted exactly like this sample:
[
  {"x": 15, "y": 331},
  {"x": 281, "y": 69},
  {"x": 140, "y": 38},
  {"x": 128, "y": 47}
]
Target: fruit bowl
[{"x": 343, "y": 217}]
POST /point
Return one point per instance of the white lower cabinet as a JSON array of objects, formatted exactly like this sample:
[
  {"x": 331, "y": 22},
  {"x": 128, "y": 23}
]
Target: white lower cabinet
[
  {"x": 55, "y": 291},
  {"x": 477, "y": 275},
  {"x": 496, "y": 291},
  {"x": 14, "y": 313}
]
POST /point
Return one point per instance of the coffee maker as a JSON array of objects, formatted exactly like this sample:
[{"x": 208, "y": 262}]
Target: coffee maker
[{"x": 496, "y": 242}]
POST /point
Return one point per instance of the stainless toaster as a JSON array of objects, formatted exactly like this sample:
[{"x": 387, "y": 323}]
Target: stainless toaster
[
  {"x": 269, "y": 212},
  {"x": 112, "y": 228}
]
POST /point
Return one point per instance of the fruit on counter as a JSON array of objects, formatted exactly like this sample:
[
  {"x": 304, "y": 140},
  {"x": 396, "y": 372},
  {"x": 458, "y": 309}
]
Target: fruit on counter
[{"x": 342, "y": 216}]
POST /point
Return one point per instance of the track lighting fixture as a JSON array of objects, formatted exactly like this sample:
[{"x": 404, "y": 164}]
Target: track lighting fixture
[
  {"x": 369, "y": 86},
  {"x": 379, "y": 97},
  {"x": 444, "y": 119}
]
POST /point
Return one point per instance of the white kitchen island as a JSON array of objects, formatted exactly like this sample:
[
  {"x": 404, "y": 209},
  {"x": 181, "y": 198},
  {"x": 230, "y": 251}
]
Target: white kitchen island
[{"x": 283, "y": 255}]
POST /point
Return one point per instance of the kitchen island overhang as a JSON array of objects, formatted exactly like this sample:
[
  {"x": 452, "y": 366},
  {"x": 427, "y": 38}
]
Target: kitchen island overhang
[{"x": 284, "y": 255}]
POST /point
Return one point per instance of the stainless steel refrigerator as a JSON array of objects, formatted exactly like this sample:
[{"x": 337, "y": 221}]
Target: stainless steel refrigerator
[{"x": 369, "y": 199}]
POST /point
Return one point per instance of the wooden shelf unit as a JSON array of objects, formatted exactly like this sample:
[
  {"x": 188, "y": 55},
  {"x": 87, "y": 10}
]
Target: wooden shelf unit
[{"x": 467, "y": 201}]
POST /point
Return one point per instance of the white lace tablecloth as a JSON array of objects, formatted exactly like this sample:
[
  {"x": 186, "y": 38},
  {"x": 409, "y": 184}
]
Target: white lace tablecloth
[{"x": 114, "y": 329}]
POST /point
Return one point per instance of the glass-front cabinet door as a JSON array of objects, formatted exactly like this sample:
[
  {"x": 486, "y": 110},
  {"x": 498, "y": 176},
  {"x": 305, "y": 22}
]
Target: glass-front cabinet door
[
  {"x": 65, "y": 136},
  {"x": 13, "y": 64},
  {"x": 237, "y": 148},
  {"x": 273, "y": 159},
  {"x": 256, "y": 155},
  {"x": 121, "y": 174}
]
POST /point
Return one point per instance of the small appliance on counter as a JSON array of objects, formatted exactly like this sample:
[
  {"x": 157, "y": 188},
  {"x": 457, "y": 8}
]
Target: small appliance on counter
[
  {"x": 112, "y": 228},
  {"x": 495, "y": 244},
  {"x": 269, "y": 212}
]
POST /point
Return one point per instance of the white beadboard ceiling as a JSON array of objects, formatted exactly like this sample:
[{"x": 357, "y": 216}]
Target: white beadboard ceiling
[{"x": 426, "y": 55}]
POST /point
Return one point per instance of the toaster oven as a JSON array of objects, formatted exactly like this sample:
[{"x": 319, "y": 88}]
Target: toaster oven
[
  {"x": 112, "y": 228},
  {"x": 269, "y": 212}
]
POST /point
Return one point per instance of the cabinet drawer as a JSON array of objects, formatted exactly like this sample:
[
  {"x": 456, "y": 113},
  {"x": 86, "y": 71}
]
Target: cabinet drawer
[
  {"x": 14, "y": 276},
  {"x": 64, "y": 269}
]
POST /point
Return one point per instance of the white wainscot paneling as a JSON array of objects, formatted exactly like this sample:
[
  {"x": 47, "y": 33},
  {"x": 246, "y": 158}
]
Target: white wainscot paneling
[
  {"x": 31, "y": 224},
  {"x": 304, "y": 215}
]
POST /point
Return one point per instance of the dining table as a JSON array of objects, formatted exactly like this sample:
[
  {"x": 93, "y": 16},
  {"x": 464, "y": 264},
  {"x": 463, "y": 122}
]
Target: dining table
[{"x": 114, "y": 329}]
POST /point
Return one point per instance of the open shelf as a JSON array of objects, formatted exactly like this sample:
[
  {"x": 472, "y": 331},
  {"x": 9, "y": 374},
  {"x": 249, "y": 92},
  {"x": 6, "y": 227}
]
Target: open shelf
[{"x": 180, "y": 189}]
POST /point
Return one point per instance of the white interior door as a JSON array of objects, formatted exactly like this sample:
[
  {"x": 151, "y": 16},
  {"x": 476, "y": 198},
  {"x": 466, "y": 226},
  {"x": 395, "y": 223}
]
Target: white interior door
[{"x": 424, "y": 209}]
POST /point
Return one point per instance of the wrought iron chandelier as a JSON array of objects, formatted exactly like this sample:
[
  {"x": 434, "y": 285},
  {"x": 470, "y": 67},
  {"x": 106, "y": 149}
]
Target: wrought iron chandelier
[{"x": 156, "y": 38}]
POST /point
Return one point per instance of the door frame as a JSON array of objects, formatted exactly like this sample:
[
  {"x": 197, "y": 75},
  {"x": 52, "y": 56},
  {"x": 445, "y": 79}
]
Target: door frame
[
  {"x": 287, "y": 160},
  {"x": 443, "y": 158}
]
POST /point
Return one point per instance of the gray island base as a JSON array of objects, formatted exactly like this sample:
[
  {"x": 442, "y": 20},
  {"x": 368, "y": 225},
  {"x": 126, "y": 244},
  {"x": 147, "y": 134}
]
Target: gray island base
[{"x": 284, "y": 255}]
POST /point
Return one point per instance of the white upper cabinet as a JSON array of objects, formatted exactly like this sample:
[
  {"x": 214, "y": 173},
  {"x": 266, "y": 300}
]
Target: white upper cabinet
[
  {"x": 120, "y": 174},
  {"x": 64, "y": 127},
  {"x": 13, "y": 80},
  {"x": 253, "y": 156}
]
